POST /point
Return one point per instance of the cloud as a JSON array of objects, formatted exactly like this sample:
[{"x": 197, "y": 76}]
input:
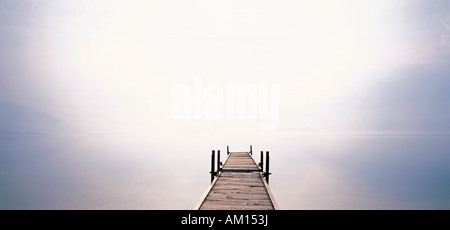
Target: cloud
[
  {"x": 416, "y": 99},
  {"x": 445, "y": 38},
  {"x": 432, "y": 31},
  {"x": 413, "y": 99},
  {"x": 18, "y": 119},
  {"x": 445, "y": 21}
]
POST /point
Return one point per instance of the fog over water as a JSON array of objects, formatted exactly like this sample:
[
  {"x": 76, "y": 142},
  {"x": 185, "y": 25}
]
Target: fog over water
[
  {"x": 309, "y": 172},
  {"x": 118, "y": 104}
]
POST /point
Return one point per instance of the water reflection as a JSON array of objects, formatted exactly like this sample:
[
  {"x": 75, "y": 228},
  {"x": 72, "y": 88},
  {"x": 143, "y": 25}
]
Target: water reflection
[{"x": 309, "y": 172}]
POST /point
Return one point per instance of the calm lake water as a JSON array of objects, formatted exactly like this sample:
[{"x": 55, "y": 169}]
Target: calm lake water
[{"x": 309, "y": 171}]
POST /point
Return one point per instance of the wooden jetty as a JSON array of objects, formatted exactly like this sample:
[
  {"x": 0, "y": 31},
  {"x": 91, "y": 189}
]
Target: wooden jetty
[{"x": 238, "y": 184}]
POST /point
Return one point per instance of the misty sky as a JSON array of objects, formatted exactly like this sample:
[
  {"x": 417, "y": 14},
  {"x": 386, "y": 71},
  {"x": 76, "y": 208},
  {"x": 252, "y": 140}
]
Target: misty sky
[
  {"x": 109, "y": 66},
  {"x": 117, "y": 68}
]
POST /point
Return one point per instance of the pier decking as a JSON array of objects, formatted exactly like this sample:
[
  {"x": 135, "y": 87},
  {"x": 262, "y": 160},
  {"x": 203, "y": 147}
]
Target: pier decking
[{"x": 240, "y": 184}]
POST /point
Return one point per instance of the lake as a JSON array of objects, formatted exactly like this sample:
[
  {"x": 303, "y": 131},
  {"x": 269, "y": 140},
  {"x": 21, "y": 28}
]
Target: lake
[{"x": 308, "y": 171}]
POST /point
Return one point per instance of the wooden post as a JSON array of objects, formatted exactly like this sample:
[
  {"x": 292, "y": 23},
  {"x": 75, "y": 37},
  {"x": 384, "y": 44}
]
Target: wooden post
[
  {"x": 251, "y": 150},
  {"x": 228, "y": 150},
  {"x": 218, "y": 161},
  {"x": 267, "y": 167},
  {"x": 261, "y": 162},
  {"x": 212, "y": 166}
]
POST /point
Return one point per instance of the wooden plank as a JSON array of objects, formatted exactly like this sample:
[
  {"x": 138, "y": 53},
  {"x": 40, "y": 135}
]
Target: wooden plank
[
  {"x": 239, "y": 188},
  {"x": 238, "y": 184},
  {"x": 235, "y": 180},
  {"x": 212, "y": 202},
  {"x": 235, "y": 207},
  {"x": 240, "y": 175},
  {"x": 241, "y": 179},
  {"x": 246, "y": 197},
  {"x": 238, "y": 192}
]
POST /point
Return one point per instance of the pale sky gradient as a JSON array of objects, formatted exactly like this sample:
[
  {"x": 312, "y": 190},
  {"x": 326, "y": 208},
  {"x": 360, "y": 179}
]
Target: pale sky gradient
[{"x": 109, "y": 66}]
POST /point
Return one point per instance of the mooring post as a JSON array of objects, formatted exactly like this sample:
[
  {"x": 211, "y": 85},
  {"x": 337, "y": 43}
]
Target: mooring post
[
  {"x": 212, "y": 166},
  {"x": 228, "y": 150},
  {"x": 267, "y": 167},
  {"x": 251, "y": 150},
  {"x": 218, "y": 161},
  {"x": 261, "y": 161}
]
